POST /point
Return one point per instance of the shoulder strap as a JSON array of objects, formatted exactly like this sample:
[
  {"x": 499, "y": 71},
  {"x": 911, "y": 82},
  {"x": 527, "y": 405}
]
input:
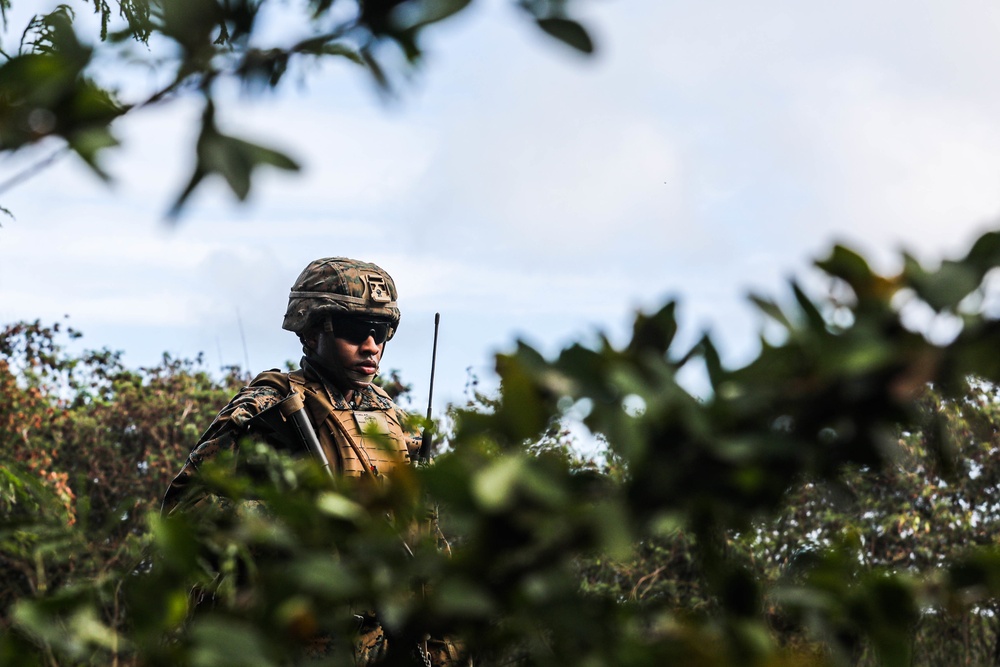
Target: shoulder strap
[{"x": 274, "y": 378}]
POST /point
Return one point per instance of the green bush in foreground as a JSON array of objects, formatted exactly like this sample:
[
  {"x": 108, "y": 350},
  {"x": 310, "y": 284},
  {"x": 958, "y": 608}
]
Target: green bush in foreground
[{"x": 820, "y": 506}]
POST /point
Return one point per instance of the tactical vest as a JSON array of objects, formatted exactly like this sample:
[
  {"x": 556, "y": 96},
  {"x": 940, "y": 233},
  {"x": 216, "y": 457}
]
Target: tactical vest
[{"x": 355, "y": 441}]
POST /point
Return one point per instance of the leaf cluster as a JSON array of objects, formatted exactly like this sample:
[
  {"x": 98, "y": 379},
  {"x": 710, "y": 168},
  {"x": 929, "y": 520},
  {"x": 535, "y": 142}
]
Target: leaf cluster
[
  {"x": 58, "y": 84},
  {"x": 833, "y": 501}
]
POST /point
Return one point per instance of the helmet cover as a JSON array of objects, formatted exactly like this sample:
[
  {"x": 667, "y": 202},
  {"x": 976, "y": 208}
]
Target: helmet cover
[{"x": 340, "y": 286}]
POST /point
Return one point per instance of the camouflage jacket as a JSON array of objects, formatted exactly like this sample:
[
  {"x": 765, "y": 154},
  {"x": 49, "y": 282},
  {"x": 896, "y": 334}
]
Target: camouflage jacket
[{"x": 365, "y": 435}]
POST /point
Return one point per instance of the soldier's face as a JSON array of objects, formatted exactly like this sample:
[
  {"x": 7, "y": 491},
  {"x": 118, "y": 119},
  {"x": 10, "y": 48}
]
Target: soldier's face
[{"x": 355, "y": 364}]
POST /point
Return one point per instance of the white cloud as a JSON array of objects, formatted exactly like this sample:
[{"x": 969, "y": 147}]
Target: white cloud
[
  {"x": 709, "y": 148},
  {"x": 901, "y": 166},
  {"x": 564, "y": 183}
]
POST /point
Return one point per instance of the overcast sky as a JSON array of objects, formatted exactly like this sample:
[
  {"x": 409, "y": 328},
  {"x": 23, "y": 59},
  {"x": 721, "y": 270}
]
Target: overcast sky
[{"x": 525, "y": 191}]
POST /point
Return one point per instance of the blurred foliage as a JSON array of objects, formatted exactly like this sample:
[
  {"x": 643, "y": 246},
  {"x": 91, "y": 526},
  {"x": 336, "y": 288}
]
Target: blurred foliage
[
  {"x": 61, "y": 82},
  {"x": 88, "y": 446},
  {"x": 832, "y": 502}
]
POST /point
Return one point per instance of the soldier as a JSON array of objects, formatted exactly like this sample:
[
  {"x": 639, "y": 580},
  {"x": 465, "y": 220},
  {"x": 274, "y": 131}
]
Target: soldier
[{"x": 344, "y": 311}]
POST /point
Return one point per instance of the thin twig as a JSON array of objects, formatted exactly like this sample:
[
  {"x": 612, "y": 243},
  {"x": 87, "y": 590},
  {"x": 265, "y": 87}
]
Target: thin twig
[
  {"x": 24, "y": 175},
  {"x": 648, "y": 580}
]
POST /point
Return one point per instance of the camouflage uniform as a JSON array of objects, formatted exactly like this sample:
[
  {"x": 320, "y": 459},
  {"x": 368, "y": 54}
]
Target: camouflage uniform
[
  {"x": 326, "y": 289},
  {"x": 345, "y": 431},
  {"x": 363, "y": 436}
]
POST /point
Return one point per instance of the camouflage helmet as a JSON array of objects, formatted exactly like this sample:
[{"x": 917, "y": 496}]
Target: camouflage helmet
[{"x": 338, "y": 285}]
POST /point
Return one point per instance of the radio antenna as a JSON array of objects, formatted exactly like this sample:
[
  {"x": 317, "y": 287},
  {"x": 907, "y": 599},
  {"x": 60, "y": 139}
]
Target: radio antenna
[
  {"x": 425, "y": 436},
  {"x": 243, "y": 339}
]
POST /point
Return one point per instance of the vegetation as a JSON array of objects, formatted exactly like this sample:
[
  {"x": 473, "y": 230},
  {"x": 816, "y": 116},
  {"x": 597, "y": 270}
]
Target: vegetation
[
  {"x": 58, "y": 89},
  {"x": 832, "y": 502}
]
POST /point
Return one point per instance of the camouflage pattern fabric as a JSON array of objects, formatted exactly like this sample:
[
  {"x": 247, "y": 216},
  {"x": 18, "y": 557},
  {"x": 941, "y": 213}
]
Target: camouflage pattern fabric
[
  {"x": 323, "y": 402},
  {"x": 370, "y": 644},
  {"x": 340, "y": 286},
  {"x": 446, "y": 653},
  {"x": 371, "y": 647},
  {"x": 232, "y": 424}
]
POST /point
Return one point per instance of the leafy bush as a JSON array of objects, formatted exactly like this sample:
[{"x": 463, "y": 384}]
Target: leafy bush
[{"x": 831, "y": 502}]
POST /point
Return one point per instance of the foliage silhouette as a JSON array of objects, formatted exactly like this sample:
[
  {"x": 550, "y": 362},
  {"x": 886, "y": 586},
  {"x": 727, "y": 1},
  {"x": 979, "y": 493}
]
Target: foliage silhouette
[
  {"x": 830, "y": 502},
  {"x": 49, "y": 87}
]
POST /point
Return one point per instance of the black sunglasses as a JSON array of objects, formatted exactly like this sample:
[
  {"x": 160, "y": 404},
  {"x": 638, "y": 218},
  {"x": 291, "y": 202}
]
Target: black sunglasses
[{"x": 357, "y": 331}]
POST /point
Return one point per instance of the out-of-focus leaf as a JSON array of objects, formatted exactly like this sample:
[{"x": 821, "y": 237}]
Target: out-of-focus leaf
[
  {"x": 612, "y": 522},
  {"x": 336, "y": 505},
  {"x": 88, "y": 143},
  {"x": 376, "y": 70},
  {"x": 325, "y": 46},
  {"x": 985, "y": 252},
  {"x": 462, "y": 597},
  {"x": 495, "y": 485},
  {"x": 326, "y": 577},
  {"x": 853, "y": 269},
  {"x": 225, "y": 642},
  {"x": 977, "y": 572},
  {"x": 528, "y": 398},
  {"x": 190, "y": 23},
  {"x": 813, "y": 316},
  {"x": 234, "y": 159},
  {"x": 44, "y": 92},
  {"x": 53, "y": 34},
  {"x": 68, "y": 624},
  {"x": 569, "y": 32},
  {"x": 415, "y": 14},
  {"x": 771, "y": 309},
  {"x": 655, "y": 332},
  {"x": 176, "y": 539},
  {"x": 944, "y": 288},
  {"x": 857, "y": 355},
  {"x": 713, "y": 364},
  {"x": 319, "y": 7}
]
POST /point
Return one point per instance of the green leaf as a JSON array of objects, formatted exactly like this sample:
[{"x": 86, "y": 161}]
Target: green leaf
[
  {"x": 324, "y": 576},
  {"x": 225, "y": 642},
  {"x": 985, "y": 252},
  {"x": 713, "y": 363},
  {"x": 88, "y": 143},
  {"x": 942, "y": 289},
  {"x": 418, "y": 13},
  {"x": 813, "y": 316},
  {"x": 463, "y": 598},
  {"x": 176, "y": 541},
  {"x": 323, "y": 46},
  {"x": 569, "y": 32},
  {"x": 771, "y": 309},
  {"x": 232, "y": 158},
  {"x": 853, "y": 269},
  {"x": 655, "y": 332},
  {"x": 612, "y": 523},
  {"x": 495, "y": 485},
  {"x": 338, "y": 506}
]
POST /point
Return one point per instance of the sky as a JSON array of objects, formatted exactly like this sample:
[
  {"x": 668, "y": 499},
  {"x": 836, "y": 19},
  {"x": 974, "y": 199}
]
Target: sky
[{"x": 527, "y": 192}]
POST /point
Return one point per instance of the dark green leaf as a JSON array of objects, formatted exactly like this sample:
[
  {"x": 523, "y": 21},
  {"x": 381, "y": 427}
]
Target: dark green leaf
[
  {"x": 813, "y": 316},
  {"x": 569, "y": 32},
  {"x": 772, "y": 310},
  {"x": 415, "y": 14}
]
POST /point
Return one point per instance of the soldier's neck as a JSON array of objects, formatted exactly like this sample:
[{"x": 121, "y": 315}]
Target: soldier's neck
[{"x": 330, "y": 378}]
